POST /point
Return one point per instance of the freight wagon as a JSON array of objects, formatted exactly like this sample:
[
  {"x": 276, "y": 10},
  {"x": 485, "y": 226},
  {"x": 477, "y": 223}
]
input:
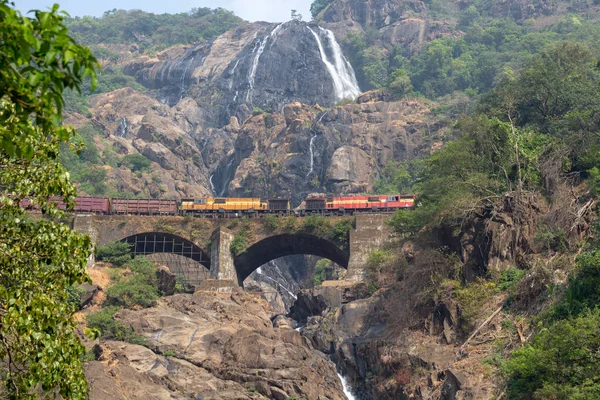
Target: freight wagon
[
  {"x": 97, "y": 205},
  {"x": 144, "y": 207}
]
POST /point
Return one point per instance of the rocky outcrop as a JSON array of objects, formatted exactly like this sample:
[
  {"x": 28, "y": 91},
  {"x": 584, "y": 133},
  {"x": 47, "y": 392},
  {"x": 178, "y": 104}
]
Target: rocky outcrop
[
  {"x": 218, "y": 345},
  {"x": 383, "y": 360},
  {"x": 310, "y": 149},
  {"x": 398, "y": 23},
  {"x": 253, "y": 65}
]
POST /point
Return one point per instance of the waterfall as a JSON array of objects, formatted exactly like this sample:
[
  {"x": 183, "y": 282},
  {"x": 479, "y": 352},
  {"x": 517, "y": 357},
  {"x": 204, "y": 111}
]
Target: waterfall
[
  {"x": 347, "y": 391},
  {"x": 233, "y": 74},
  {"x": 183, "y": 78},
  {"x": 227, "y": 174},
  {"x": 342, "y": 74},
  {"x": 277, "y": 283},
  {"x": 312, "y": 155},
  {"x": 212, "y": 185},
  {"x": 254, "y": 67}
]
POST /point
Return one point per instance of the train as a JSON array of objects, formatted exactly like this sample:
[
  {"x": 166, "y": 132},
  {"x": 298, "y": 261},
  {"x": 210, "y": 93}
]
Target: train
[{"x": 234, "y": 206}]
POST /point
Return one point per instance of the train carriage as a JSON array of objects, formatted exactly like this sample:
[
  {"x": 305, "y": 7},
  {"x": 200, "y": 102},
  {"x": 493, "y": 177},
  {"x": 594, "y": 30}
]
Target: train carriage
[
  {"x": 144, "y": 207},
  {"x": 279, "y": 205},
  {"x": 96, "y": 205}
]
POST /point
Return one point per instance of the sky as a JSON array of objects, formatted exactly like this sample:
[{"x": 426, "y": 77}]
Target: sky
[{"x": 250, "y": 10}]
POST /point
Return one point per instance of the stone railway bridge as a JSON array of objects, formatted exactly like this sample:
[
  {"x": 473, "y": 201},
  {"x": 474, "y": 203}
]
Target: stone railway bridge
[{"x": 205, "y": 244}]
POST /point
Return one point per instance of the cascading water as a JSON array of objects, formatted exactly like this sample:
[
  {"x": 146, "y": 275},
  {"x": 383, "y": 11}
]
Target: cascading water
[
  {"x": 233, "y": 74},
  {"x": 259, "y": 51},
  {"x": 342, "y": 74},
  {"x": 312, "y": 155},
  {"x": 183, "y": 91},
  {"x": 279, "y": 283},
  {"x": 212, "y": 185},
  {"x": 228, "y": 177},
  {"x": 311, "y": 148},
  {"x": 347, "y": 391}
]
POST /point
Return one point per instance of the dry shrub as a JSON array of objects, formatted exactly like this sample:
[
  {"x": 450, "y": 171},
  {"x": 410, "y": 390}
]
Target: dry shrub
[{"x": 403, "y": 376}]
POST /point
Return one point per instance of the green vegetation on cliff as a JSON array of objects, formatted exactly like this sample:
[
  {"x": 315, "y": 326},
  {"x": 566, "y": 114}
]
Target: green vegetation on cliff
[{"x": 151, "y": 31}]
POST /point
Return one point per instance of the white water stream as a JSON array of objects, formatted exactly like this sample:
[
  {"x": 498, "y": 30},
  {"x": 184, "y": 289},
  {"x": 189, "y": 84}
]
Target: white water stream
[
  {"x": 227, "y": 176},
  {"x": 233, "y": 74},
  {"x": 277, "y": 283},
  {"x": 183, "y": 91},
  {"x": 259, "y": 51},
  {"x": 347, "y": 391},
  {"x": 212, "y": 185},
  {"x": 342, "y": 74},
  {"x": 312, "y": 155}
]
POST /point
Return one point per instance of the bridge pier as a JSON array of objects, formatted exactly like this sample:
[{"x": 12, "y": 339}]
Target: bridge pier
[
  {"x": 84, "y": 223},
  {"x": 371, "y": 233},
  {"x": 222, "y": 267}
]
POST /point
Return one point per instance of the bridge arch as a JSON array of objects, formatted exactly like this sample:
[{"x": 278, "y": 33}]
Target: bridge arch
[
  {"x": 277, "y": 246},
  {"x": 162, "y": 242}
]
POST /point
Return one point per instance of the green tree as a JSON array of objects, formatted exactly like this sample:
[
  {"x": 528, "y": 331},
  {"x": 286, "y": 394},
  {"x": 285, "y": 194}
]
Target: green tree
[
  {"x": 317, "y": 6},
  {"x": 39, "y": 259}
]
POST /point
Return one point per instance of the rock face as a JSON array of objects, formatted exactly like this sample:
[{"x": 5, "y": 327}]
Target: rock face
[
  {"x": 341, "y": 150},
  {"x": 400, "y": 23},
  {"x": 384, "y": 363},
  {"x": 218, "y": 346},
  {"x": 254, "y": 65}
]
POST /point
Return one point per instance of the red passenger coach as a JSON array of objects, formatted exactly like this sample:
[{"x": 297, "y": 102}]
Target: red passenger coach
[{"x": 144, "y": 206}]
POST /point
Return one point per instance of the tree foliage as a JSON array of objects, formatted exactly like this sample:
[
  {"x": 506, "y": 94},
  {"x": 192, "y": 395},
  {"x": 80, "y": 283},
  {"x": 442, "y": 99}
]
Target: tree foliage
[
  {"x": 39, "y": 258},
  {"x": 152, "y": 31}
]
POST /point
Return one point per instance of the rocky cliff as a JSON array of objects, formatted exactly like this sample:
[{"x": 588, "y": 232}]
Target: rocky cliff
[{"x": 206, "y": 345}]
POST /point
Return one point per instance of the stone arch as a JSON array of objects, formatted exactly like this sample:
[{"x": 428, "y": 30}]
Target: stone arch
[
  {"x": 277, "y": 246},
  {"x": 162, "y": 242}
]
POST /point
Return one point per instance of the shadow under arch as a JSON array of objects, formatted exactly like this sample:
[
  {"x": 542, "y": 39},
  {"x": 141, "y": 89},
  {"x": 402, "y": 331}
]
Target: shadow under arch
[
  {"x": 161, "y": 242},
  {"x": 274, "y": 247}
]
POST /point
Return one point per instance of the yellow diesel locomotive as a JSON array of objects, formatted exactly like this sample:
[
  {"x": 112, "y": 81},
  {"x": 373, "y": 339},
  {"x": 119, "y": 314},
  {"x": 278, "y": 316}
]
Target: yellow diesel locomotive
[{"x": 242, "y": 205}]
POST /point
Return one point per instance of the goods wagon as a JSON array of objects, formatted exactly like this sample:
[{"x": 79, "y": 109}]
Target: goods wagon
[
  {"x": 98, "y": 205},
  {"x": 279, "y": 205},
  {"x": 144, "y": 207},
  {"x": 212, "y": 205}
]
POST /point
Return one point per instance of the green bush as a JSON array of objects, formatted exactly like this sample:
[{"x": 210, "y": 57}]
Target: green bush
[
  {"x": 136, "y": 162},
  {"x": 109, "y": 328},
  {"x": 340, "y": 230},
  {"x": 240, "y": 241},
  {"x": 316, "y": 225},
  {"x": 561, "y": 362},
  {"x": 551, "y": 239},
  {"x": 117, "y": 253},
  {"x": 271, "y": 222},
  {"x": 471, "y": 300},
  {"x": 135, "y": 291},
  {"x": 74, "y": 296},
  {"x": 323, "y": 271},
  {"x": 182, "y": 285},
  {"x": 317, "y": 6},
  {"x": 509, "y": 278},
  {"x": 257, "y": 111},
  {"x": 583, "y": 290}
]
